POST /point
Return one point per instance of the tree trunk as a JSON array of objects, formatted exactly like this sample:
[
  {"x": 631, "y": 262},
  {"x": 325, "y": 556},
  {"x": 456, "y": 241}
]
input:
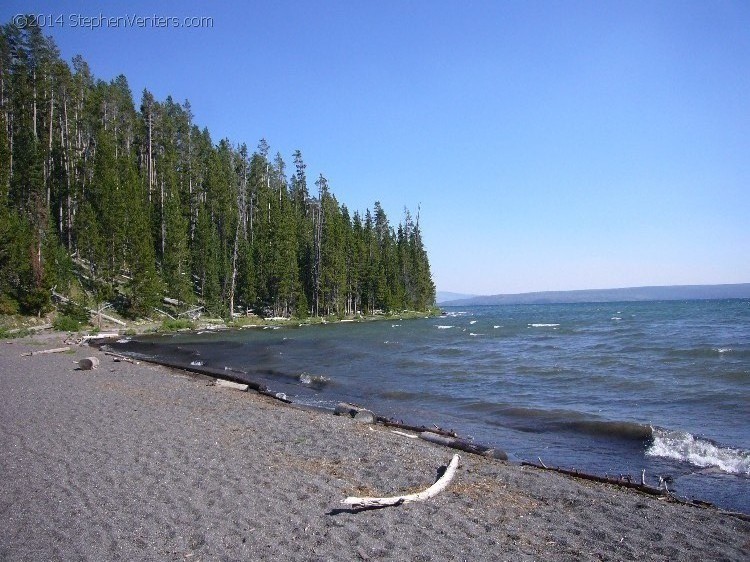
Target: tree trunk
[{"x": 234, "y": 271}]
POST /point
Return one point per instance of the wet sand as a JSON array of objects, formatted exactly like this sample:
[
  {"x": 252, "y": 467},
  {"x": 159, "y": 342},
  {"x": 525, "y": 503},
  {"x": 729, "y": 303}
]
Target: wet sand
[{"x": 141, "y": 462}]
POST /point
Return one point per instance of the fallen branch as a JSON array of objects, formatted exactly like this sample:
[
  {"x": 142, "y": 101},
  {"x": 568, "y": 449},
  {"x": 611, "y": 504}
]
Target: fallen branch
[
  {"x": 435, "y": 489},
  {"x": 167, "y": 314},
  {"x": 91, "y": 310},
  {"x": 193, "y": 312},
  {"x": 54, "y": 350}
]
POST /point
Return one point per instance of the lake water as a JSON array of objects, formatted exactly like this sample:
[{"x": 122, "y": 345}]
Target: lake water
[{"x": 609, "y": 388}]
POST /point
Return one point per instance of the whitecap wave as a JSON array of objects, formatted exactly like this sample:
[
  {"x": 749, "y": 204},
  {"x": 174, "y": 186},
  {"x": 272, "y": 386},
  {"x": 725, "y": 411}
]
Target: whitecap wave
[
  {"x": 723, "y": 349},
  {"x": 443, "y": 327},
  {"x": 314, "y": 380},
  {"x": 683, "y": 446},
  {"x": 197, "y": 363},
  {"x": 473, "y": 322},
  {"x": 543, "y": 325}
]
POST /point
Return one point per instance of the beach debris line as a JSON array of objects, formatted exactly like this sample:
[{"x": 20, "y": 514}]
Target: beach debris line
[
  {"x": 42, "y": 351},
  {"x": 432, "y": 491}
]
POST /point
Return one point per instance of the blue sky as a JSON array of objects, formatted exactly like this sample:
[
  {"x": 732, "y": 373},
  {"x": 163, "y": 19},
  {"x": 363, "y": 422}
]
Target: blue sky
[{"x": 551, "y": 145}]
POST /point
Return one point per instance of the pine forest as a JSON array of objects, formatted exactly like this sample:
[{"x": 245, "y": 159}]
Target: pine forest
[{"x": 105, "y": 202}]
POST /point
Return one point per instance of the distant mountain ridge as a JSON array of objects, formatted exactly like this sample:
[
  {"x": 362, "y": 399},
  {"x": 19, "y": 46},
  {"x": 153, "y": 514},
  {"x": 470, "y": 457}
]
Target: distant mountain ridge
[
  {"x": 445, "y": 296},
  {"x": 629, "y": 294}
]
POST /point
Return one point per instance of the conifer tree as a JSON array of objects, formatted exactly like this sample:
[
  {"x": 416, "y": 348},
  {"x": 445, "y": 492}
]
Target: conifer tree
[{"x": 136, "y": 201}]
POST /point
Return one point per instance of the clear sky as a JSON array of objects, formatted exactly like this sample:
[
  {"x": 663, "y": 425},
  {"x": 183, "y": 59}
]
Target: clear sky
[{"x": 551, "y": 145}]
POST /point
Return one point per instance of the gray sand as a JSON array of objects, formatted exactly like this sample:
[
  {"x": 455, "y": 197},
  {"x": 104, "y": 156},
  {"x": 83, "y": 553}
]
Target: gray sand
[{"x": 142, "y": 462}]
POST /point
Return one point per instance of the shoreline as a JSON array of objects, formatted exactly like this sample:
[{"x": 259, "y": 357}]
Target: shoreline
[
  {"x": 142, "y": 461},
  {"x": 430, "y": 432},
  {"x": 18, "y": 326}
]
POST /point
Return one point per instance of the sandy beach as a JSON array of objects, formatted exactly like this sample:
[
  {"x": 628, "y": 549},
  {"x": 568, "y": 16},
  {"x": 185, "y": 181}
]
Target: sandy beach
[{"x": 141, "y": 462}]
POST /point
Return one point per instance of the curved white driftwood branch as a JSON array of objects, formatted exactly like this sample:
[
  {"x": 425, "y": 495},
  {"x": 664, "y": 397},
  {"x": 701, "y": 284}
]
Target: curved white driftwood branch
[{"x": 432, "y": 491}]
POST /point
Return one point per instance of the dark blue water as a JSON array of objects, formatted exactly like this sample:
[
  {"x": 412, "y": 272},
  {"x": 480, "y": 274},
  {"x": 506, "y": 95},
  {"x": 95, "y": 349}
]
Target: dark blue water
[{"x": 607, "y": 388}]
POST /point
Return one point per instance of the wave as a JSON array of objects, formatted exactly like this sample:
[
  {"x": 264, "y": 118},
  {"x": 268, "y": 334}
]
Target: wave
[
  {"x": 658, "y": 442},
  {"x": 543, "y": 325},
  {"x": 631, "y": 431},
  {"x": 709, "y": 352},
  {"x": 538, "y": 420},
  {"x": 685, "y": 447},
  {"x": 314, "y": 381},
  {"x": 454, "y": 314}
]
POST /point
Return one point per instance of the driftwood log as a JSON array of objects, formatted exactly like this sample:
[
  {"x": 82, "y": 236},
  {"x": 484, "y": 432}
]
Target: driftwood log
[
  {"x": 464, "y": 445},
  {"x": 435, "y": 489},
  {"x": 438, "y": 431},
  {"x": 102, "y": 336},
  {"x": 231, "y": 384},
  {"x": 88, "y": 363},
  {"x": 42, "y": 351}
]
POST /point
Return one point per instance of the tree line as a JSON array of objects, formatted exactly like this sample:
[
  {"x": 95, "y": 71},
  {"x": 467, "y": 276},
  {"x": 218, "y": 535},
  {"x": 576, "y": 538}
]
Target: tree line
[{"x": 135, "y": 204}]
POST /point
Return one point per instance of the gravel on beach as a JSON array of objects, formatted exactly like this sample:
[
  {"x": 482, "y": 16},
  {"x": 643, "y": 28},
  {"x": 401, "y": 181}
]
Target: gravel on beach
[{"x": 142, "y": 462}]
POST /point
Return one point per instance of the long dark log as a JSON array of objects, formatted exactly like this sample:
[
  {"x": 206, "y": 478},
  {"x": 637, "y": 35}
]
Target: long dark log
[
  {"x": 211, "y": 372},
  {"x": 645, "y": 488},
  {"x": 464, "y": 445}
]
